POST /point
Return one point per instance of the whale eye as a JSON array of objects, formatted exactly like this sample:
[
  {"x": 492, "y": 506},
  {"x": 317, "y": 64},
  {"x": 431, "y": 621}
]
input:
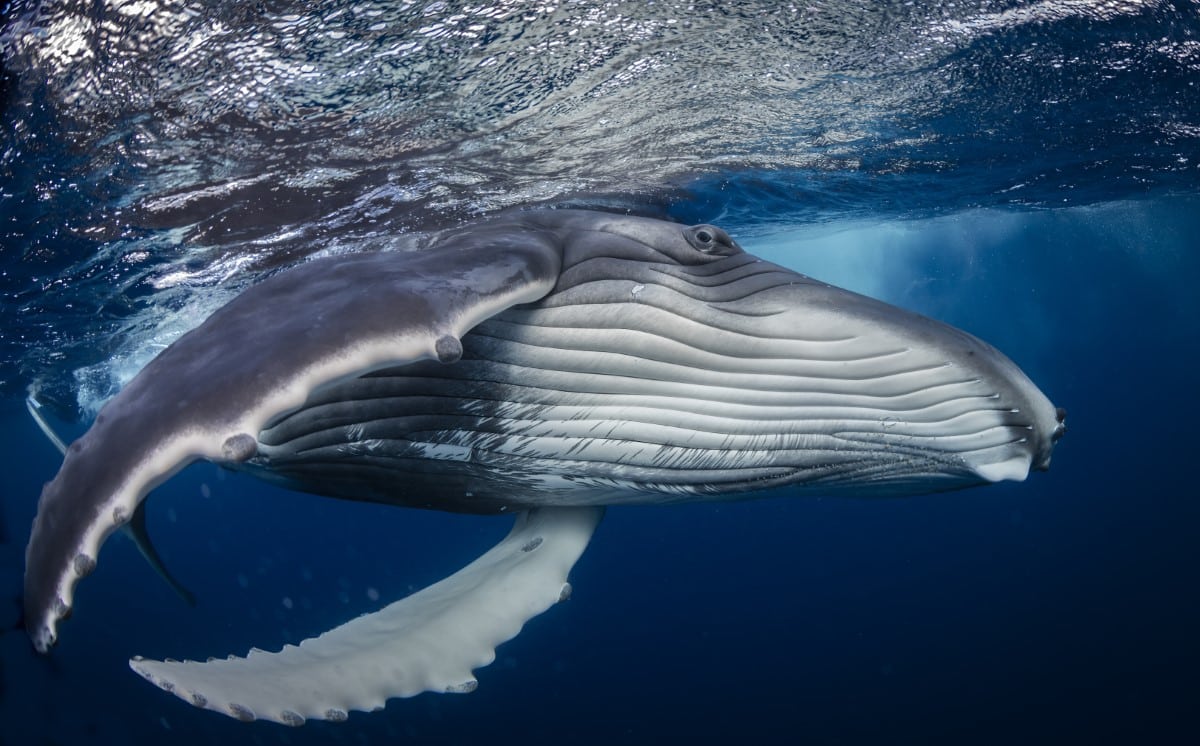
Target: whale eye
[{"x": 711, "y": 240}]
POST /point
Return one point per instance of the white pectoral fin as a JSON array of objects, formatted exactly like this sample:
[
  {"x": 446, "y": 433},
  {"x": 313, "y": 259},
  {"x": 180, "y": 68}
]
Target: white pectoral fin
[
  {"x": 210, "y": 393},
  {"x": 430, "y": 641}
]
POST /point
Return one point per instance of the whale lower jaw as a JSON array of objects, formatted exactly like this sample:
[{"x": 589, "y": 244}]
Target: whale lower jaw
[
  {"x": 1015, "y": 469},
  {"x": 590, "y": 399}
]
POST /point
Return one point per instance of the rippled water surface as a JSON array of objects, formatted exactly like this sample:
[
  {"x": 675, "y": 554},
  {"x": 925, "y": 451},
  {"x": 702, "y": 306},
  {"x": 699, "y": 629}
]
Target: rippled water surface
[
  {"x": 153, "y": 151},
  {"x": 1027, "y": 170}
]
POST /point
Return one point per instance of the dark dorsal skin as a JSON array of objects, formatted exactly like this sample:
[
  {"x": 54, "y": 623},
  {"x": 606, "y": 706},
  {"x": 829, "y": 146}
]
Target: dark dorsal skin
[{"x": 604, "y": 359}]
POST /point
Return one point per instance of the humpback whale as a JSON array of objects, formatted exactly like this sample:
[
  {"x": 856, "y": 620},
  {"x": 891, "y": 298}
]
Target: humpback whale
[{"x": 546, "y": 363}]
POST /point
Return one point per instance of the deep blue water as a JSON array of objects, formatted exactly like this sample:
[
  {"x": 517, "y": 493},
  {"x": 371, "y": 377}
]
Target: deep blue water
[{"x": 1026, "y": 171}]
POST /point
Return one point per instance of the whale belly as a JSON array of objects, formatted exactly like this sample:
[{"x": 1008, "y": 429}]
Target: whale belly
[{"x": 586, "y": 403}]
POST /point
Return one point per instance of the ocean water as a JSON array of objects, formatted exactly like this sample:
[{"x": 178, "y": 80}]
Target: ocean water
[{"x": 1027, "y": 171}]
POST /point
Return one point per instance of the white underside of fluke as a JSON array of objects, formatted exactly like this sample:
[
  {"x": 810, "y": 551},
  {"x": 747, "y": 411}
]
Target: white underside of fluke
[{"x": 429, "y": 641}]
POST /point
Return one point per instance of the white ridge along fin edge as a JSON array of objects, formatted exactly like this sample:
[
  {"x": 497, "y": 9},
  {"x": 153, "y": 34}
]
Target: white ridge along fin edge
[{"x": 430, "y": 641}]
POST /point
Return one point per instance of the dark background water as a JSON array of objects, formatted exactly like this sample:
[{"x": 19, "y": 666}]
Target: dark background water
[{"x": 1027, "y": 171}]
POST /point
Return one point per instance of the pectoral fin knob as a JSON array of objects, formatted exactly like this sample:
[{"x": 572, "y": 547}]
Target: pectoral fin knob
[
  {"x": 448, "y": 349},
  {"x": 239, "y": 448}
]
